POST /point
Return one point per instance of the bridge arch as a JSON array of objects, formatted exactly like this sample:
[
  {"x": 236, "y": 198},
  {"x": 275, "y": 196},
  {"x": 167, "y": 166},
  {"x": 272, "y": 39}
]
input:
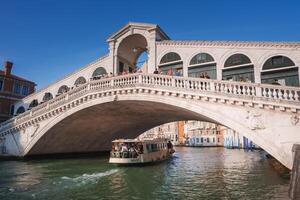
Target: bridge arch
[
  {"x": 71, "y": 131},
  {"x": 129, "y": 50}
]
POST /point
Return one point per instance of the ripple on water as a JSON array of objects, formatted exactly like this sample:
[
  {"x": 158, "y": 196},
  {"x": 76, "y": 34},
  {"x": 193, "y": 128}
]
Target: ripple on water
[{"x": 193, "y": 173}]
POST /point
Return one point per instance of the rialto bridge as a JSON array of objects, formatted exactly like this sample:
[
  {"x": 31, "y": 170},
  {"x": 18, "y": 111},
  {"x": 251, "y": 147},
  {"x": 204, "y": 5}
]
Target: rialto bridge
[{"x": 250, "y": 87}]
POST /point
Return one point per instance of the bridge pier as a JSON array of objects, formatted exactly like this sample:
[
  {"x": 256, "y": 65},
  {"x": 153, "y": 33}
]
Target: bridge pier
[{"x": 294, "y": 191}]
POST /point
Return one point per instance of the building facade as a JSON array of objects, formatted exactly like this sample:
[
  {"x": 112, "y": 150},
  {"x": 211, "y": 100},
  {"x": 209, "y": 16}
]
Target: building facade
[
  {"x": 199, "y": 133},
  {"x": 172, "y": 131},
  {"x": 233, "y": 139},
  {"x": 12, "y": 89}
]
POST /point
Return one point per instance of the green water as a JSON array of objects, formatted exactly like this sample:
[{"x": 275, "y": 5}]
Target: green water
[{"x": 193, "y": 173}]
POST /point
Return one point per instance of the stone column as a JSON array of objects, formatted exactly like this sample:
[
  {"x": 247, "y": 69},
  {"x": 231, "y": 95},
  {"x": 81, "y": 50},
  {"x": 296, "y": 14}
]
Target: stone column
[
  {"x": 151, "y": 52},
  {"x": 294, "y": 191}
]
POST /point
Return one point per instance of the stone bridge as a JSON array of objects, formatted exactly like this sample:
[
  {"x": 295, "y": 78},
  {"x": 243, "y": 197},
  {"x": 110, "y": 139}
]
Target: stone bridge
[{"x": 88, "y": 117}]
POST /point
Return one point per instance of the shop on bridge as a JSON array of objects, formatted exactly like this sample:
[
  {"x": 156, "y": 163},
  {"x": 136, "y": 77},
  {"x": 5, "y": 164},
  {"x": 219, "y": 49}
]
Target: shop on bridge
[
  {"x": 280, "y": 69},
  {"x": 238, "y": 67},
  {"x": 171, "y": 64},
  {"x": 202, "y": 65}
]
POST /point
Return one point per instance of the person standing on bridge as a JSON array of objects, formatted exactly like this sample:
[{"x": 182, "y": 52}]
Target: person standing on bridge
[{"x": 155, "y": 71}]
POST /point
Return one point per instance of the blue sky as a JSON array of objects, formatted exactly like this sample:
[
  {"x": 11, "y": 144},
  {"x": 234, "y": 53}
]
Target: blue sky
[{"x": 47, "y": 39}]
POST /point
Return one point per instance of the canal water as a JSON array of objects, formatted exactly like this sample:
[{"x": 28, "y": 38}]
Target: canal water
[{"x": 193, "y": 173}]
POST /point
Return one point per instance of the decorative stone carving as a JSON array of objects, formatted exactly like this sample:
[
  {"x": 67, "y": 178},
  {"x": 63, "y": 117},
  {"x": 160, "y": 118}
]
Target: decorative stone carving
[
  {"x": 36, "y": 127},
  {"x": 295, "y": 119},
  {"x": 254, "y": 120}
]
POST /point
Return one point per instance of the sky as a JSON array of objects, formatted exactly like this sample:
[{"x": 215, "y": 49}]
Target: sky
[{"x": 48, "y": 39}]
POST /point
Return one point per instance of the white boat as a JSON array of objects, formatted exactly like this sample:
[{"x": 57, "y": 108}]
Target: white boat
[{"x": 133, "y": 151}]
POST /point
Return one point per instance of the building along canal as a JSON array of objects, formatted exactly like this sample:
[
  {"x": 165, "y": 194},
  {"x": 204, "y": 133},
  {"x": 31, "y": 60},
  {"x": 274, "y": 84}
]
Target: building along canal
[{"x": 192, "y": 173}]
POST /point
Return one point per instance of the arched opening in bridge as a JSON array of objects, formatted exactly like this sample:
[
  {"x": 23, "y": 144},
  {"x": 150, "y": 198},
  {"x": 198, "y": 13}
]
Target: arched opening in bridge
[
  {"x": 79, "y": 81},
  {"x": 47, "y": 96},
  {"x": 142, "y": 62},
  {"x": 20, "y": 110},
  {"x": 100, "y": 71},
  {"x": 33, "y": 103},
  {"x": 128, "y": 53},
  {"x": 280, "y": 70},
  {"x": 171, "y": 64},
  {"x": 63, "y": 89},
  {"x": 238, "y": 67},
  {"x": 202, "y": 65}
]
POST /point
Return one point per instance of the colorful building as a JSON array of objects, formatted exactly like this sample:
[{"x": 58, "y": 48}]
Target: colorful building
[{"x": 12, "y": 89}]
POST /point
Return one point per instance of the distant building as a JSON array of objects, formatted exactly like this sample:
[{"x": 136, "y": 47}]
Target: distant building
[
  {"x": 198, "y": 133},
  {"x": 12, "y": 89},
  {"x": 233, "y": 139},
  {"x": 173, "y": 131}
]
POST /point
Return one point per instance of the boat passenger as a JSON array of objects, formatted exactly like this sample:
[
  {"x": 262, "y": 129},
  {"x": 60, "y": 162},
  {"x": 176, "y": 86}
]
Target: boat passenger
[{"x": 170, "y": 146}]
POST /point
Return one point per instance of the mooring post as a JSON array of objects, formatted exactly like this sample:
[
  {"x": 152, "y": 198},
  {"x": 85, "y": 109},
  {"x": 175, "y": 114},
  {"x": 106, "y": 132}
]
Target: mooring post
[{"x": 294, "y": 191}]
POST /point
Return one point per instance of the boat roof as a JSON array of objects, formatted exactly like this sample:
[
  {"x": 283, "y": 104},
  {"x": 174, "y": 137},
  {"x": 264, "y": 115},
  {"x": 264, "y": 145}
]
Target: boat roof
[
  {"x": 136, "y": 140},
  {"x": 125, "y": 140}
]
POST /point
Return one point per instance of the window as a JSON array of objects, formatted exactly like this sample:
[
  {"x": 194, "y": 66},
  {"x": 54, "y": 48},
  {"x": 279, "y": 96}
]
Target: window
[
  {"x": 63, "y": 89},
  {"x": 99, "y": 71},
  {"x": 207, "y": 140},
  {"x": 213, "y": 140},
  {"x": 25, "y": 90},
  {"x": 237, "y": 59},
  {"x": 1, "y": 85},
  {"x": 278, "y": 62},
  {"x": 47, "y": 96},
  {"x": 33, "y": 103},
  {"x": 79, "y": 81},
  {"x": 170, "y": 57},
  {"x": 17, "y": 88},
  {"x": 12, "y": 109},
  {"x": 280, "y": 69},
  {"x": 197, "y": 140},
  {"x": 201, "y": 58},
  {"x": 20, "y": 110},
  {"x": 201, "y": 140}
]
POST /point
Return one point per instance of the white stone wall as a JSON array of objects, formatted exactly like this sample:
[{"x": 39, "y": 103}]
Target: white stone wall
[
  {"x": 258, "y": 54},
  {"x": 68, "y": 80}
]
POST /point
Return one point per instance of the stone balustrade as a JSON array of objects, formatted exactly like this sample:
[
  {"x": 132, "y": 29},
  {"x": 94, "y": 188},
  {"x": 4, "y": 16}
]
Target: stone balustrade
[{"x": 240, "y": 90}]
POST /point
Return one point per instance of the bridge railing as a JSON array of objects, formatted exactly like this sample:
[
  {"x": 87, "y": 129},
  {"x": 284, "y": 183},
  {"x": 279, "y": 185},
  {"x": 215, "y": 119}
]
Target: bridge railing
[{"x": 240, "y": 89}]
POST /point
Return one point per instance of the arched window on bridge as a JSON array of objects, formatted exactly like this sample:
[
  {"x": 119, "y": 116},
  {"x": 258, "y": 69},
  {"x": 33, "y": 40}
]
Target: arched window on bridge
[
  {"x": 238, "y": 67},
  {"x": 171, "y": 64},
  {"x": 202, "y": 64},
  {"x": 280, "y": 69},
  {"x": 47, "y": 96},
  {"x": 33, "y": 103},
  {"x": 63, "y": 89},
  {"x": 99, "y": 72},
  {"x": 20, "y": 110},
  {"x": 79, "y": 81}
]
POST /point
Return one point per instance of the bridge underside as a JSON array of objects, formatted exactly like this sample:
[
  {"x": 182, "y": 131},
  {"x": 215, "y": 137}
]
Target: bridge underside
[{"x": 92, "y": 129}]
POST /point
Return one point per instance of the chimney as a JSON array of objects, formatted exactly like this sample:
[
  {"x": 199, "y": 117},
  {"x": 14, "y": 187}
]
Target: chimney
[{"x": 8, "y": 66}]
